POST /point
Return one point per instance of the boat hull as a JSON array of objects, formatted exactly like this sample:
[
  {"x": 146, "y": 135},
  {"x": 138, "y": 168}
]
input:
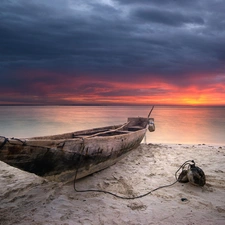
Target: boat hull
[{"x": 86, "y": 152}]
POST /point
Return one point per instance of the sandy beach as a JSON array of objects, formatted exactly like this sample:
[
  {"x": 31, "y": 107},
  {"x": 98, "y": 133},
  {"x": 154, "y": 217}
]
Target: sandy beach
[{"x": 28, "y": 199}]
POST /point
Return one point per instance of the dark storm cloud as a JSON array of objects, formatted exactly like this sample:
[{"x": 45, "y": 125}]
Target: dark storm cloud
[
  {"x": 167, "y": 17},
  {"x": 123, "y": 38},
  {"x": 50, "y": 37}
]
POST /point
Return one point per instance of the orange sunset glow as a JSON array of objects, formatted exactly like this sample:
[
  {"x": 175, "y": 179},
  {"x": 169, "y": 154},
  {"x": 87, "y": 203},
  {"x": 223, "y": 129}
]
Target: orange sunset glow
[
  {"x": 87, "y": 90},
  {"x": 143, "y": 93}
]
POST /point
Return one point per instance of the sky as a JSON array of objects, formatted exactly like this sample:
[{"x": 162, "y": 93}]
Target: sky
[{"x": 144, "y": 52}]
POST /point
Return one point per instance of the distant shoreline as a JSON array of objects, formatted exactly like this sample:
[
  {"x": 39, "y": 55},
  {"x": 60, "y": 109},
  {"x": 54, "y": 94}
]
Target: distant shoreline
[{"x": 110, "y": 105}]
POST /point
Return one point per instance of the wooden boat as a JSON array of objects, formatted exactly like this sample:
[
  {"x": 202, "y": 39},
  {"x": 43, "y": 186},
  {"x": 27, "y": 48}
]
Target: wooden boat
[{"x": 88, "y": 151}]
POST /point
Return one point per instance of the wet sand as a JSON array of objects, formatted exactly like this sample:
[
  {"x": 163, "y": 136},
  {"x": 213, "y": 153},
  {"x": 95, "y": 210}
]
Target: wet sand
[{"x": 28, "y": 199}]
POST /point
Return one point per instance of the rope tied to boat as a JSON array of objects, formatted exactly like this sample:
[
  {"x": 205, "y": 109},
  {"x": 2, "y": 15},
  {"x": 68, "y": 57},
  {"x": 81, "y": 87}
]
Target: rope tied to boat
[
  {"x": 8, "y": 140},
  {"x": 4, "y": 142},
  {"x": 23, "y": 143},
  {"x": 17, "y": 139},
  {"x": 188, "y": 162}
]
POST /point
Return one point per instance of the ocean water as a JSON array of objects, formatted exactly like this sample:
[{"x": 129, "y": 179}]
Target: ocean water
[{"x": 191, "y": 125}]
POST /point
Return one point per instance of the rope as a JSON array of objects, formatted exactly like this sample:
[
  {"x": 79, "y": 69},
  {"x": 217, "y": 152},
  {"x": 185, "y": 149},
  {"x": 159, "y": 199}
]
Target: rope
[
  {"x": 135, "y": 197},
  {"x": 24, "y": 143},
  {"x": 17, "y": 139},
  {"x": 4, "y": 142}
]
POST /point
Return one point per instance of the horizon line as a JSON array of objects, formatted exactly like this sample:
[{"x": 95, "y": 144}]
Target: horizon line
[{"x": 122, "y": 104}]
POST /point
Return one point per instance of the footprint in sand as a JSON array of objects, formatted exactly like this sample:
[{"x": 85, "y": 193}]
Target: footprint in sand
[{"x": 137, "y": 206}]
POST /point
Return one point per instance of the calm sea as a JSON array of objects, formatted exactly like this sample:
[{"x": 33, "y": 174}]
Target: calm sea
[{"x": 195, "y": 125}]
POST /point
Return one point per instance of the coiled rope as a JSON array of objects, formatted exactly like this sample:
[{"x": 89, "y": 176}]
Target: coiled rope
[{"x": 135, "y": 197}]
